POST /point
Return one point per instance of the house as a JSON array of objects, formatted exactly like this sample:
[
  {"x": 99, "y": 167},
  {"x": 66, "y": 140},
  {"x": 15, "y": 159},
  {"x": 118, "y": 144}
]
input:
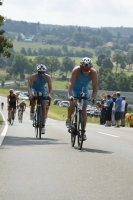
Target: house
[
  {"x": 109, "y": 44},
  {"x": 28, "y": 40}
]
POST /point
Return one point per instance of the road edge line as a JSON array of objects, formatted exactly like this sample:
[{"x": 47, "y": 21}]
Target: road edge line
[{"x": 3, "y": 134}]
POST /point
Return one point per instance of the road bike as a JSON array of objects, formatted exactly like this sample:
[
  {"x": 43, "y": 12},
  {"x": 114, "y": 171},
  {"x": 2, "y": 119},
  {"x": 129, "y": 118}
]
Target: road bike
[
  {"x": 77, "y": 121},
  {"x": 11, "y": 118},
  {"x": 20, "y": 115},
  {"x": 37, "y": 122}
]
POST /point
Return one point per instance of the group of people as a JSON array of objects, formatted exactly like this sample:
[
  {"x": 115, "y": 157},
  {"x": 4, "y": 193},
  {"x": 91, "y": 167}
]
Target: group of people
[
  {"x": 80, "y": 78},
  {"x": 113, "y": 109}
]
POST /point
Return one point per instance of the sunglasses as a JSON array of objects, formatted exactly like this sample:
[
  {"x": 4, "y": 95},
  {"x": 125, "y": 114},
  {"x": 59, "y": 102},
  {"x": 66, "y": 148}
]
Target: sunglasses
[{"x": 11, "y": 92}]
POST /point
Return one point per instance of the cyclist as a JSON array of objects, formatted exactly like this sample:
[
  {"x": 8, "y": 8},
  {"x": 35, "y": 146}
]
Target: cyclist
[
  {"x": 37, "y": 84},
  {"x": 2, "y": 105},
  {"x": 12, "y": 100},
  {"x": 80, "y": 77},
  {"x": 21, "y": 106}
]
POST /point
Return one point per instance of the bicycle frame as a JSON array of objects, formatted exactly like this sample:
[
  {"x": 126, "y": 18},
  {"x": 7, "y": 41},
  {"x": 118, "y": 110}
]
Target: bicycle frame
[
  {"x": 38, "y": 114},
  {"x": 78, "y": 128}
]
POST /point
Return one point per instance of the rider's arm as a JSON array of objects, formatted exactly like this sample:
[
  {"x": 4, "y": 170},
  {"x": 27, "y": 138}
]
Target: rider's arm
[
  {"x": 30, "y": 84},
  {"x": 72, "y": 81},
  {"x": 94, "y": 84},
  {"x": 49, "y": 82}
]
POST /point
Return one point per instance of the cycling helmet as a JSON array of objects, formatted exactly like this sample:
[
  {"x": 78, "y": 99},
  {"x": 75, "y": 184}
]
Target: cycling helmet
[
  {"x": 23, "y": 101},
  {"x": 86, "y": 62},
  {"x": 41, "y": 68},
  {"x": 11, "y": 90}
]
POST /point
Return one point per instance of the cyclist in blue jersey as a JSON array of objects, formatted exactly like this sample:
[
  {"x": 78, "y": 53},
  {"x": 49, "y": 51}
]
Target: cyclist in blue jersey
[
  {"x": 37, "y": 84},
  {"x": 80, "y": 78}
]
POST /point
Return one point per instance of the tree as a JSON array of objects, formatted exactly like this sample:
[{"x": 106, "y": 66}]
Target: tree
[
  {"x": 5, "y": 44},
  {"x": 20, "y": 63},
  {"x": 106, "y": 63},
  {"x": 29, "y": 52},
  {"x": 53, "y": 65},
  {"x": 117, "y": 58},
  {"x": 67, "y": 65},
  {"x": 23, "y": 51},
  {"x": 95, "y": 41},
  {"x": 100, "y": 59}
]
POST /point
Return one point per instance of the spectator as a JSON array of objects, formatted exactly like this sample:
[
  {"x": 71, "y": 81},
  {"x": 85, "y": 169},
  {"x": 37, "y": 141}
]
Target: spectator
[
  {"x": 108, "y": 107},
  {"x": 118, "y": 109},
  {"x": 103, "y": 111},
  {"x": 113, "y": 109},
  {"x": 124, "y": 105}
]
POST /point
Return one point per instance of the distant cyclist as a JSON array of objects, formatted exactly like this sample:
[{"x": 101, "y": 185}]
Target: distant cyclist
[
  {"x": 12, "y": 102},
  {"x": 80, "y": 78},
  {"x": 37, "y": 84},
  {"x": 2, "y": 106},
  {"x": 21, "y": 106}
]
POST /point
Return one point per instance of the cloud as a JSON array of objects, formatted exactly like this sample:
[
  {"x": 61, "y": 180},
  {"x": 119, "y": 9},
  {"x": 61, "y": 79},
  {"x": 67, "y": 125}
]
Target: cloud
[{"x": 92, "y": 13}]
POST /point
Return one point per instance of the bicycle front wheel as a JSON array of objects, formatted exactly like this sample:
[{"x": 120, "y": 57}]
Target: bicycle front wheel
[
  {"x": 39, "y": 118},
  {"x": 73, "y": 129},
  {"x": 80, "y": 130},
  {"x": 36, "y": 125}
]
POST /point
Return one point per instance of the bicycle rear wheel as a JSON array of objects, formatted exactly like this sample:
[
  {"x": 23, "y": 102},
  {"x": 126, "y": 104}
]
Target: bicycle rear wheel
[
  {"x": 73, "y": 129},
  {"x": 12, "y": 118},
  {"x": 21, "y": 117},
  {"x": 80, "y": 130}
]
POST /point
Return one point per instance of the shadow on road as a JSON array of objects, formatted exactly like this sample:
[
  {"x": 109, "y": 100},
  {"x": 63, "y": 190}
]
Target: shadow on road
[
  {"x": 94, "y": 151},
  {"x": 25, "y": 141}
]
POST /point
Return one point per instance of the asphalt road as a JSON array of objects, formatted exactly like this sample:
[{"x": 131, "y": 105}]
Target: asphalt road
[{"x": 33, "y": 169}]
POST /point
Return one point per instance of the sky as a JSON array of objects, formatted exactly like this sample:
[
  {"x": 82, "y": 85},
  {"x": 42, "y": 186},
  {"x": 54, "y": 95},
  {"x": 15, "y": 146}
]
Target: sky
[{"x": 89, "y": 13}]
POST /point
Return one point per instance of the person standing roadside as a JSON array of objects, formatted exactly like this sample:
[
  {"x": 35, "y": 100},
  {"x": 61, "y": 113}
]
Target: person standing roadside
[{"x": 118, "y": 109}]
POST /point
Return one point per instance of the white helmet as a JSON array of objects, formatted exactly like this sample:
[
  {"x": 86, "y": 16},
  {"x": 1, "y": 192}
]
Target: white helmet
[
  {"x": 23, "y": 101},
  {"x": 41, "y": 68},
  {"x": 86, "y": 62}
]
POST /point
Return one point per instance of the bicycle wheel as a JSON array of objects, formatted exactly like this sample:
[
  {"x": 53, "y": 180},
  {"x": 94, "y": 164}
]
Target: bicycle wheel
[
  {"x": 12, "y": 118},
  {"x": 39, "y": 119},
  {"x": 21, "y": 117},
  {"x": 36, "y": 125},
  {"x": 80, "y": 130},
  {"x": 73, "y": 129}
]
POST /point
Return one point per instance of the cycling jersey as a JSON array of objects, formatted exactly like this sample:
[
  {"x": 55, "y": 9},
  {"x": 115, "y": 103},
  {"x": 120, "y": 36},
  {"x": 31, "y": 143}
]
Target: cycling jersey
[
  {"x": 81, "y": 83},
  {"x": 12, "y": 101},
  {"x": 39, "y": 85}
]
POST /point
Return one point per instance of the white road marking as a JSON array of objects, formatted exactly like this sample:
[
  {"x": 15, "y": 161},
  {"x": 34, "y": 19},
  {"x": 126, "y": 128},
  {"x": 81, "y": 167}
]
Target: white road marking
[
  {"x": 4, "y": 130},
  {"x": 108, "y": 134}
]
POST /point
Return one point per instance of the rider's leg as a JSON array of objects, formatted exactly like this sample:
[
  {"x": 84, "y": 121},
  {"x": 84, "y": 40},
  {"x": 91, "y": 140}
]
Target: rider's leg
[
  {"x": 85, "y": 115},
  {"x": 43, "y": 105},
  {"x": 14, "y": 110},
  {"x": 32, "y": 109},
  {"x": 71, "y": 108},
  {"x": 9, "y": 111}
]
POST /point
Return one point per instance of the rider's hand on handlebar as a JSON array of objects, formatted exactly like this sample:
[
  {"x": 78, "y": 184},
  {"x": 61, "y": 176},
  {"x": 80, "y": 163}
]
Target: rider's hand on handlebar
[{"x": 71, "y": 98}]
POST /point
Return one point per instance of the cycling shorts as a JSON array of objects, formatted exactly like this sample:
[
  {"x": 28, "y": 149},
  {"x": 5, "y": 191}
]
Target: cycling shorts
[
  {"x": 12, "y": 106},
  {"x": 42, "y": 91},
  {"x": 77, "y": 92}
]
